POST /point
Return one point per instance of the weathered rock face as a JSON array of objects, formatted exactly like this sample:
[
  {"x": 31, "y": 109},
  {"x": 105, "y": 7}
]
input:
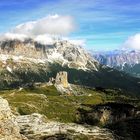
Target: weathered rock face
[
  {"x": 61, "y": 82},
  {"x": 60, "y": 51},
  {"x": 36, "y": 128},
  {"x": 62, "y": 79},
  {"x": 28, "y": 48},
  {"x": 108, "y": 113},
  {"x": 9, "y": 129},
  {"x": 113, "y": 112}
]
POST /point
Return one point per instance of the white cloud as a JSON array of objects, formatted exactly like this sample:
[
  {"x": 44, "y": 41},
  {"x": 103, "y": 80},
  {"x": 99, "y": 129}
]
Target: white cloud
[
  {"x": 44, "y": 39},
  {"x": 45, "y": 30},
  {"x": 13, "y": 36},
  {"x": 54, "y": 25},
  {"x": 133, "y": 42}
]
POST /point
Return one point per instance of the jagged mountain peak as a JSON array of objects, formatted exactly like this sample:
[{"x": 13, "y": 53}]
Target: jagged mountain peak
[
  {"x": 118, "y": 58},
  {"x": 61, "y": 51},
  {"x": 124, "y": 60}
]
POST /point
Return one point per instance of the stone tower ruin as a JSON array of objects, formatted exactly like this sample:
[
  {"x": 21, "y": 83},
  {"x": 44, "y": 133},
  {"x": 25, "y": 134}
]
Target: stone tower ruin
[{"x": 62, "y": 78}]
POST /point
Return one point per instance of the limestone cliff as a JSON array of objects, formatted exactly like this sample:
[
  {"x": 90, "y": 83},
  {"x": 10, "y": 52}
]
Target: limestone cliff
[
  {"x": 36, "y": 128},
  {"x": 9, "y": 129},
  {"x": 60, "y": 51}
]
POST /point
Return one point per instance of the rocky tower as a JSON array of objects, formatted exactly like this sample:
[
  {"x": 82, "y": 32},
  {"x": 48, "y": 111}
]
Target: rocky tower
[{"x": 62, "y": 79}]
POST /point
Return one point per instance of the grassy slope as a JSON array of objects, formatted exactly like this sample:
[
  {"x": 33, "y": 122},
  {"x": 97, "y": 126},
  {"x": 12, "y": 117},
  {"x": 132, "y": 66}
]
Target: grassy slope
[{"x": 47, "y": 101}]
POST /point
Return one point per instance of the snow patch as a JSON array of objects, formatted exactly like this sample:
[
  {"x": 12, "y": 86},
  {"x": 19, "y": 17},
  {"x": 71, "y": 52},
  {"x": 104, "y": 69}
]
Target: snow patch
[{"x": 57, "y": 56}]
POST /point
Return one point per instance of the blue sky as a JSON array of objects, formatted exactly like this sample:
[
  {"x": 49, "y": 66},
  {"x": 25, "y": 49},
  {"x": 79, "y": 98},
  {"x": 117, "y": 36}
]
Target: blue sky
[{"x": 104, "y": 24}]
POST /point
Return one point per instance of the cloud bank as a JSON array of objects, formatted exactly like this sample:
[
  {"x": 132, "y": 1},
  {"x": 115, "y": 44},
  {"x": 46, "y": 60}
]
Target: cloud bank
[
  {"x": 44, "y": 39},
  {"x": 13, "y": 36},
  {"x": 44, "y": 30},
  {"x": 133, "y": 42},
  {"x": 53, "y": 25}
]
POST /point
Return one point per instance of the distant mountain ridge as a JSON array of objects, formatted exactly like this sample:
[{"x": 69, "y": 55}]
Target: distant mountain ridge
[{"x": 128, "y": 61}]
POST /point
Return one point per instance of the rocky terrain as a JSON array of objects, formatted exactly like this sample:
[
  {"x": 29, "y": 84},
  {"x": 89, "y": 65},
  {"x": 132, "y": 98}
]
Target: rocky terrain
[
  {"x": 47, "y": 84},
  {"x": 128, "y": 61},
  {"x": 37, "y": 127},
  {"x": 108, "y": 113},
  {"x": 34, "y": 127}
]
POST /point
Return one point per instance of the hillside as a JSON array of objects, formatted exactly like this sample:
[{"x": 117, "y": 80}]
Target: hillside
[
  {"x": 27, "y": 62},
  {"x": 43, "y": 112},
  {"x": 53, "y": 89}
]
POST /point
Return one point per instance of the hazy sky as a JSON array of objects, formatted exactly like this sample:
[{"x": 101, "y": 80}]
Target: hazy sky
[{"x": 103, "y": 24}]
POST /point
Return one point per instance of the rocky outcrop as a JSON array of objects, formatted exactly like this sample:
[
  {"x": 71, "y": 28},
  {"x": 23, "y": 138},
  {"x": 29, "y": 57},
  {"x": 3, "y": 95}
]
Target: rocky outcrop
[
  {"x": 107, "y": 113},
  {"x": 9, "y": 129},
  {"x": 61, "y": 82},
  {"x": 62, "y": 79},
  {"x": 36, "y": 128},
  {"x": 114, "y": 112}
]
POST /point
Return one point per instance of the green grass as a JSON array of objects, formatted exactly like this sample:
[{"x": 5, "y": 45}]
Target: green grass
[
  {"x": 48, "y": 101},
  {"x": 46, "y": 90},
  {"x": 59, "y": 108}
]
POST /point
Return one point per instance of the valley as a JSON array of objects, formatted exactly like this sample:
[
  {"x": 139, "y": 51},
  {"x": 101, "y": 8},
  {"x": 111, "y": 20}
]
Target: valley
[{"x": 69, "y": 70}]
